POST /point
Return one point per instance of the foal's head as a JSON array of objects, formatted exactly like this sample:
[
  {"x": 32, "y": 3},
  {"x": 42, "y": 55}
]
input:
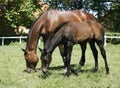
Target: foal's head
[
  {"x": 45, "y": 60},
  {"x": 31, "y": 60}
]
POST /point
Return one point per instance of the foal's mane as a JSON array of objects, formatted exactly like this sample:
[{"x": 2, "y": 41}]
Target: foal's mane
[{"x": 57, "y": 29}]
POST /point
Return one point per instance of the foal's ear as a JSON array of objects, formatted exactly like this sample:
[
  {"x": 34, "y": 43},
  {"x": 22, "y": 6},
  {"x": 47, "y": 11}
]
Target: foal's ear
[
  {"x": 40, "y": 49},
  {"x": 23, "y": 50}
]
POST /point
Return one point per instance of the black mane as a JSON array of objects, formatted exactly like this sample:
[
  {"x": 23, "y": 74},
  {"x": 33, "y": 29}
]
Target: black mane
[{"x": 57, "y": 29}]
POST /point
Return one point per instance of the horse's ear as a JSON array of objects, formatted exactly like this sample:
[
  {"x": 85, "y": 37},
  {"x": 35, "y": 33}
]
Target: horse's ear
[{"x": 23, "y": 50}]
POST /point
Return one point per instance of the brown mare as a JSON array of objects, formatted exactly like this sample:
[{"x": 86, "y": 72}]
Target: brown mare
[
  {"x": 70, "y": 33},
  {"x": 45, "y": 25}
]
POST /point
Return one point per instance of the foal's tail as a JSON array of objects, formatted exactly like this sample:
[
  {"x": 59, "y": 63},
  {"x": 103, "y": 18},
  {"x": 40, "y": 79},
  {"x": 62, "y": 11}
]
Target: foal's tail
[{"x": 57, "y": 29}]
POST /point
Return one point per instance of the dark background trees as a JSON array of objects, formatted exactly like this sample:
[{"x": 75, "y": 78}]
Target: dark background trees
[{"x": 14, "y": 13}]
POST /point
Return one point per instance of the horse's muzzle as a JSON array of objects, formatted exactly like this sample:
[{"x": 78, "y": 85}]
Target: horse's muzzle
[{"x": 29, "y": 70}]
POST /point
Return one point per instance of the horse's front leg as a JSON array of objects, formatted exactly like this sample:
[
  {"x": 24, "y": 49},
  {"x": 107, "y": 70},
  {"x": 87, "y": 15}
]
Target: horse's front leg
[
  {"x": 62, "y": 52},
  {"x": 68, "y": 49}
]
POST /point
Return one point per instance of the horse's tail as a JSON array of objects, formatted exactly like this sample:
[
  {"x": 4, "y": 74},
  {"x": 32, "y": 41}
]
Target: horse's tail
[
  {"x": 57, "y": 29},
  {"x": 103, "y": 34}
]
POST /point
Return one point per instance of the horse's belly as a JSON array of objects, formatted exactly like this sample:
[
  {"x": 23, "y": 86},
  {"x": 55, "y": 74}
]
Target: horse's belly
[{"x": 83, "y": 38}]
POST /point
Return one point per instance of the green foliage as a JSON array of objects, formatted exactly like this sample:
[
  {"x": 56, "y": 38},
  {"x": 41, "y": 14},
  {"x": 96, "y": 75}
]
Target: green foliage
[
  {"x": 13, "y": 64},
  {"x": 65, "y": 4},
  {"x": 108, "y": 12},
  {"x": 19, "y": 12}
]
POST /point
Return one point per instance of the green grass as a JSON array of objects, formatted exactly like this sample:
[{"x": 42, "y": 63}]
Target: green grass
[{"x": 12, "y": 65}]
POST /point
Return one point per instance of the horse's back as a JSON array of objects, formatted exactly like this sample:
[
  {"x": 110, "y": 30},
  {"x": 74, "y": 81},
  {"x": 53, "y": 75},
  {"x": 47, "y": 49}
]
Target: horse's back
[
  {"x": 84, "y": 30},
  {"x": 55, "y": 17}
]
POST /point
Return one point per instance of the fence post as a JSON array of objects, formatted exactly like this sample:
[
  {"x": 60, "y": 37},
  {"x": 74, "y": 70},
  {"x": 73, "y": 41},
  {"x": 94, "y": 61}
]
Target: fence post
[
  {"x": 3, "y": 41},
  {"x": 20, "y": 40},
  {"x": 105, "y": 37}
]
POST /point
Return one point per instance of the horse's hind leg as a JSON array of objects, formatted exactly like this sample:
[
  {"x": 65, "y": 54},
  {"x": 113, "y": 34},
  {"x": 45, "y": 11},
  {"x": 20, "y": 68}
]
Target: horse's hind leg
[
  {"x": 83, "y": 47},
  {"x": 95, "y": 54},
  {"x": 103, "y": 52}
]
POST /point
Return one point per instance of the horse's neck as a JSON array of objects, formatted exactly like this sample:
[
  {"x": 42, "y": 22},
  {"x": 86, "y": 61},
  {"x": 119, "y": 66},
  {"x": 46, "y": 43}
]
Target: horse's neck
[
  {"x": 32, "y": 42},
  {"x": 33, "y": 36}
]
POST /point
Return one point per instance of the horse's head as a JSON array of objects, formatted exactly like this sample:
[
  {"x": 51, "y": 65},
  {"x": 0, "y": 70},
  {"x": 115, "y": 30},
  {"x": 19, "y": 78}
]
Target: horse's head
[
  {"x": 45, "y": 60},
  {"x": 31, "y": 60}
]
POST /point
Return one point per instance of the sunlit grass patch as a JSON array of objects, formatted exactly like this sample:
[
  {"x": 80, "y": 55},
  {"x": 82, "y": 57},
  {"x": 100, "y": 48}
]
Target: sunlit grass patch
[{"x": 12, "y": 66}]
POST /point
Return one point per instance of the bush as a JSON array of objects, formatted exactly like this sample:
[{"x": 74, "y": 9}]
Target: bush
[{"x": 113, "y": 40}]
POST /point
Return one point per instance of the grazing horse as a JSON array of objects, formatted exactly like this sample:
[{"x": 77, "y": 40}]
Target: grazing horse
[
  {"x": 70, "y": 33},
  {"x": 44, "y": 26}
]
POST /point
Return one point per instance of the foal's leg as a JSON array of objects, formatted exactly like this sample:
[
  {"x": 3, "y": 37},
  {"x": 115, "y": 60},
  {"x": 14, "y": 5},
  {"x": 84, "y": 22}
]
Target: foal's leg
[
  {"x": 68, "y": 51},
  {"x": 103, "y": 52},
  {"x": 95, "y": 54},
  {"x": 62, "y": 52},
  {"x": 83, "y": 47}
]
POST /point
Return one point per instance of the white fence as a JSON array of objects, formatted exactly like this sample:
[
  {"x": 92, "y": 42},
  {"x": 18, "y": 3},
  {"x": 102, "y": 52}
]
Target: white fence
[
  {"x": 105, "y": 38},
  {"x": 25, "y": 37},
  {"x": 18, "y": 37}
]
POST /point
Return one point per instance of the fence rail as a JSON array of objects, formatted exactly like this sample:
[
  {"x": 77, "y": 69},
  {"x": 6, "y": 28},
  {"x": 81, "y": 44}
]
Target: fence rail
[
  {"x": 25, "y": 37},
  {"x": 17, "y": 37},
  {"x": 105, "y": 38}
]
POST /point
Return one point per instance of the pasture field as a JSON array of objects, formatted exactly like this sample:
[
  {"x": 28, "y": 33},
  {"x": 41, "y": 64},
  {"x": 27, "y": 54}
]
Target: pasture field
[{"x": 12, "y": 66}]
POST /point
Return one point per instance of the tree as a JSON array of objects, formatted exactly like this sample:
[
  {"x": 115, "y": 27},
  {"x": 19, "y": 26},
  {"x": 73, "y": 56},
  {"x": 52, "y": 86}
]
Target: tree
[
  {"x": 65, "y": 4},
  {"x": 107, "y": 11},
  {"x": 15, "y": 13},
  {"x": 18, "y": 12},
  {"x": 111, "y": 17}
]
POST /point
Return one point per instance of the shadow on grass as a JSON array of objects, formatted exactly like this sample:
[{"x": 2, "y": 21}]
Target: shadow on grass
[
  {"x": 58, "y": 68},
  {"x": 47, "y": 75},
  {"x": 87, "y": 70}
]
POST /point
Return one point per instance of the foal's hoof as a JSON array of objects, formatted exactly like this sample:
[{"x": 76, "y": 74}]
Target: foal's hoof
[
  {"x": 107, "y": 73},
  {"x": 67, "y": 74},
  {"x": 81, "y": 63},
  {"x": 95, "y": 69},
  {"x": 74, "y": 71},
  {"x": 107, "y": 70}
]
